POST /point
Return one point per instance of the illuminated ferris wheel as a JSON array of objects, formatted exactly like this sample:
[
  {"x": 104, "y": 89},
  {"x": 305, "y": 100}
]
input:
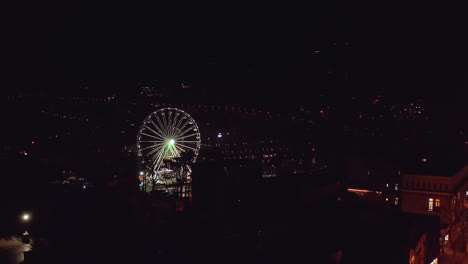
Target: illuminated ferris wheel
[{"x": 164, "y": 135}]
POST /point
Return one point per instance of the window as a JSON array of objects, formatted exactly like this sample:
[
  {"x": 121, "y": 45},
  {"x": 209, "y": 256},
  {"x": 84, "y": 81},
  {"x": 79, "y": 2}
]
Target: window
[
  {"x": 430, "y": 205},
  {"x": 446, "y": 186},
  {"x": 396, "y": 200},
  {"x": 428, "y": 185},
  {"x": 396, "y": 187},
  {"x": 437, "y": 203}
]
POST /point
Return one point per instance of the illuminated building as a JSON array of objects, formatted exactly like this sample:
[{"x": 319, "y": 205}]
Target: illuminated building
[
  {"x": 411, "y": 111},
  {"x": 151, "y": 89},
  {"x": 374, "y": 180},
  {"x": 442, "y": 196}
]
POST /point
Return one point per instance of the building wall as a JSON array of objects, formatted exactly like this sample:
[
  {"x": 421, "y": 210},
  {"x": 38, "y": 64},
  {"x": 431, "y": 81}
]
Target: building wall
[
  {"x": 451, "y": 191},
  {"x": 418, "y": 254},
  {"x": 418, "y": 202},
  {"x": 427, "y": 183}
]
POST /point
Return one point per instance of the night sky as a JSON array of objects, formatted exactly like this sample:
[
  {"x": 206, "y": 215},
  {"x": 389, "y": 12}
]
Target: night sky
[{"x": 409, "y": 50}]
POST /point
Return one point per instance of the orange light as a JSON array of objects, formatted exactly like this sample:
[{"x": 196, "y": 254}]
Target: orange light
[{"x": 358, "y": 190}]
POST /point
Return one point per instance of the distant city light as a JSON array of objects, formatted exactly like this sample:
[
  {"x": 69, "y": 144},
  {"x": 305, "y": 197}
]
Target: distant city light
[
  {"x": 424, "y": 160},
  {"x": 141, "y": 173},
  {"x": 220, "y": 135},
  {"x": 33, "y": 142}
]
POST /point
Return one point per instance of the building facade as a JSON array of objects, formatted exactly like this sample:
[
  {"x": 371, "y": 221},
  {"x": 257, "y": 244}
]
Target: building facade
[{"x": 442, "y": 196}]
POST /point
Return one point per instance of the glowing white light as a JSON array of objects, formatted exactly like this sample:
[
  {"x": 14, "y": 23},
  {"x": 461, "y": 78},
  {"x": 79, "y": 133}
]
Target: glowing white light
[
  {"x": 171, "y": 142},
  {"x": 141, "y": 173},
  {"x": 26, "y": 217}
]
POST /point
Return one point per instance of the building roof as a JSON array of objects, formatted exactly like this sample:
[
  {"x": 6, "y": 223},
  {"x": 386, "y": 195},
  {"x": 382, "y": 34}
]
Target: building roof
[{"x": 434, "y": 166}]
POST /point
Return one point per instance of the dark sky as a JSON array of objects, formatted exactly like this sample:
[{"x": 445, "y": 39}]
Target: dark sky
[{"x": 410, "y": 48}]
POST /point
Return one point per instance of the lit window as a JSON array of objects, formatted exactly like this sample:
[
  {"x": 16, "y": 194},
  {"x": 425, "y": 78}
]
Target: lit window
[
  {"x": 430, "y": 206},
  {"x": 396, "y": 187},
  {"x": 396, "y": 200},
  {"x": 387, "y": 185},
  {"x": 437, "y": 203}
]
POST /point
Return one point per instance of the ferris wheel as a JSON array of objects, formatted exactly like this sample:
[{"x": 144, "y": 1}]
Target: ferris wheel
[{"x": 164, "y": 135}]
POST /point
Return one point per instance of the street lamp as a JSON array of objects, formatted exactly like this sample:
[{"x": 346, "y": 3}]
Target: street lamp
[{"x": 26, "y": 217}]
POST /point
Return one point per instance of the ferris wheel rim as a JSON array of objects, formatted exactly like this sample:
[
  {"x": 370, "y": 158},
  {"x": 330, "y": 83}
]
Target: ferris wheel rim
[{"x": 165, "y": 134}]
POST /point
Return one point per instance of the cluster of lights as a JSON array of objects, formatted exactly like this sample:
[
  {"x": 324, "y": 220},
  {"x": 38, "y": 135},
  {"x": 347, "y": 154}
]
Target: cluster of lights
[{"x": 62, "y": 116}]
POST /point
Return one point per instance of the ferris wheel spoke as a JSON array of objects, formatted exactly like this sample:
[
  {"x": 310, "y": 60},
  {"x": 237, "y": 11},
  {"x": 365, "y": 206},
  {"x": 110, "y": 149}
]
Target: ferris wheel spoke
[
  {"x": 186, "y": 131},
  {"x": 169, "y": 122},
  {"x": 156, "y": 161},
  {"x": 154, "y": 152},
  {"x": 174, "y": 123},
  {"x": 187, "y": 136},
  {"x": 162, "y": 125},
  {"x": 157, "y": 148},
  {"x": 152, "y": 146},
  {"x": 154, "y": 131},
  {"x": 176, "y": 151},
  {"x": 185, "y": 146},
  {"x": 160, "y": 158},
  {"x": 164, "y": 119},
  {"x": 177, "y": 127},
  {"x": 157, "y": 128},
  {"x": 172, "y": 151},
  {"x": 184, "y": 125},
  {"x": 156, "y": 157},
  {"x": 180, "y": 150},
  {"x": 186, "y": 141},
  {"x": 150, "y": 141},
  {"x": 150, "y": 135}
]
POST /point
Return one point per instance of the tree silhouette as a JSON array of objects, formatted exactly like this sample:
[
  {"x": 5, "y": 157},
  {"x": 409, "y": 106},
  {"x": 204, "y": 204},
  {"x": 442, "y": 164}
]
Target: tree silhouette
[{"x": 181, "y": 170}]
